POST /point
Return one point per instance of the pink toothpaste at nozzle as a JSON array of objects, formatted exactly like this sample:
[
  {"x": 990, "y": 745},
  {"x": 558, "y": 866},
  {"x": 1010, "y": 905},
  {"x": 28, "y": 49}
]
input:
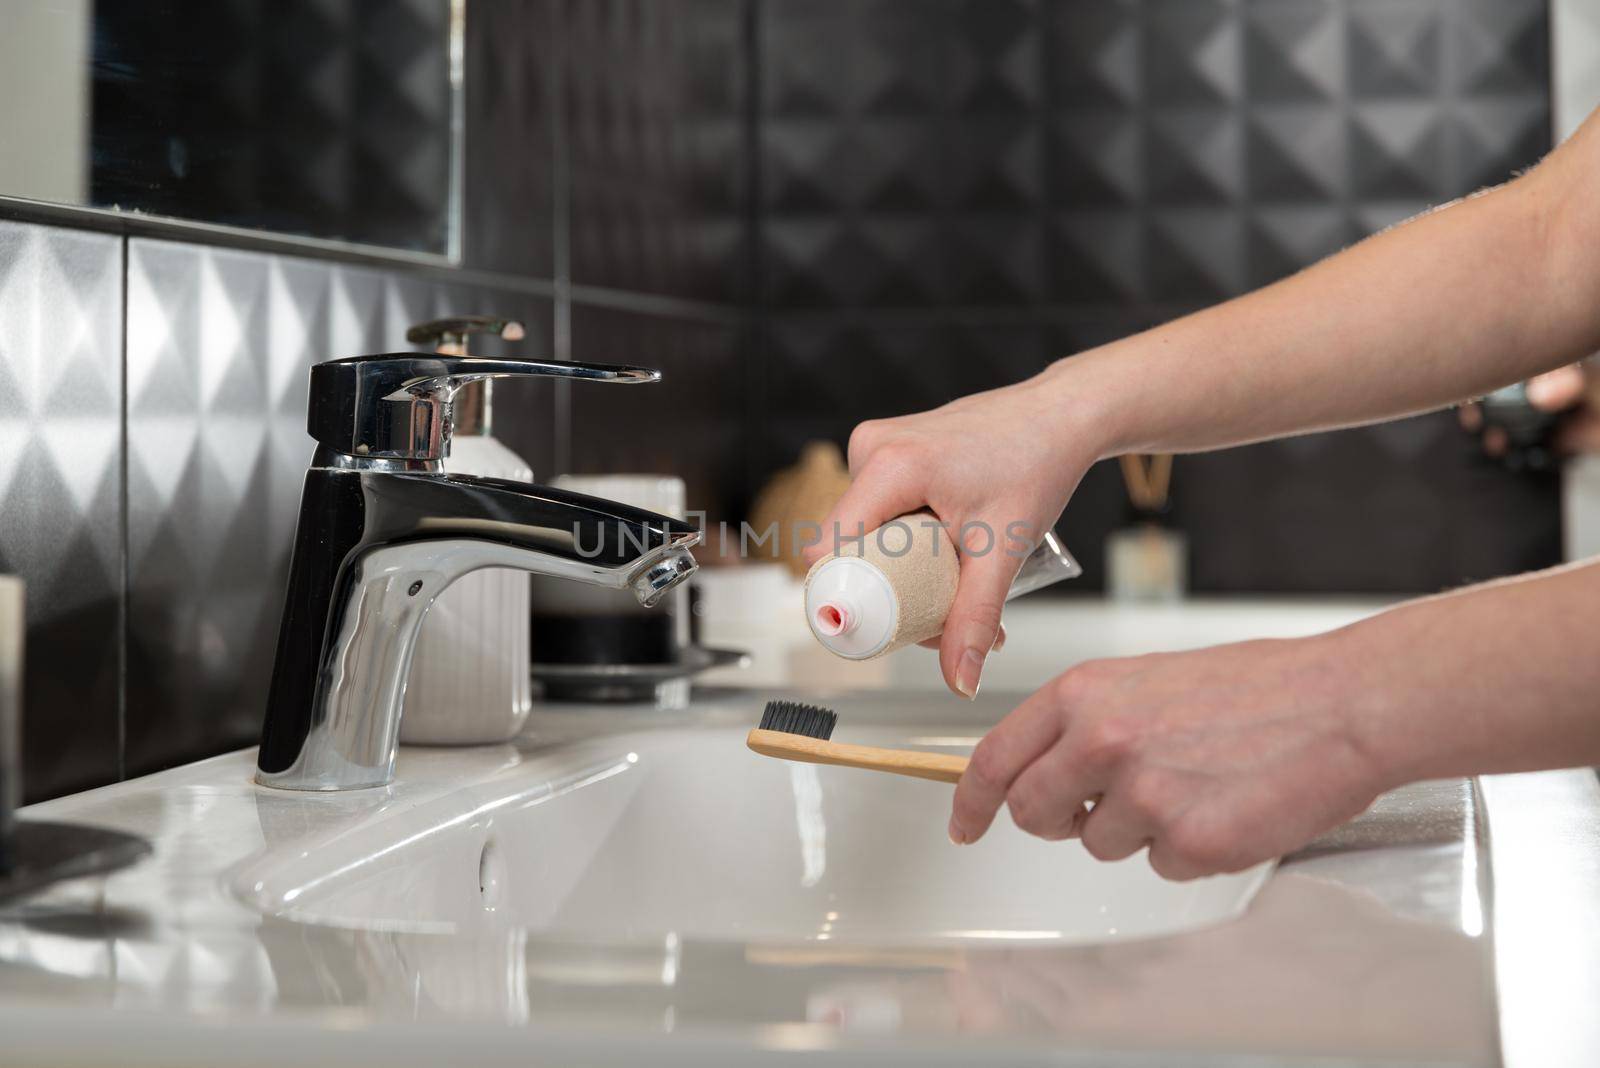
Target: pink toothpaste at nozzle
[{"x": 895, "y": 586}]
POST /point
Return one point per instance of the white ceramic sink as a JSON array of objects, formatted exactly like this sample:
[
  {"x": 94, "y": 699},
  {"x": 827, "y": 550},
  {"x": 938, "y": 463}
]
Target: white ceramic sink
[
  {"x": 685, "y": 833},
  {"x": 553, "y": 900}
]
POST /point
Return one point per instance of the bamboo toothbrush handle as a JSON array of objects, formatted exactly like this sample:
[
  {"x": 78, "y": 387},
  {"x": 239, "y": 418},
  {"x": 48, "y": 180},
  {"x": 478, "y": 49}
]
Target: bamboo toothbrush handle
[{"x": 940, "y": 767}]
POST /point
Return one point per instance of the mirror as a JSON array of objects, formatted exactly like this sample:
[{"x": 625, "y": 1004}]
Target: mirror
[{"x": 330, "y": 119}]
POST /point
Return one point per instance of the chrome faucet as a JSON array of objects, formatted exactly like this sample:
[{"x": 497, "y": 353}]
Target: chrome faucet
[{"x": 383, "y": 530}]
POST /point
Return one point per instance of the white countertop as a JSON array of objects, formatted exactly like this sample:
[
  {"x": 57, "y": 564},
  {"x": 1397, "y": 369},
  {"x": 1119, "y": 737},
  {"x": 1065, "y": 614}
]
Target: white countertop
[
  {"x": 1325, "y": 962},
  {"x": 1369, "y": 947}
]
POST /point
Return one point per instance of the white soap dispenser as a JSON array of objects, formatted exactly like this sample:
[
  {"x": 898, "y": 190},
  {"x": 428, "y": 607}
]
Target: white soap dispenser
[{"x": 469, "y": 680}]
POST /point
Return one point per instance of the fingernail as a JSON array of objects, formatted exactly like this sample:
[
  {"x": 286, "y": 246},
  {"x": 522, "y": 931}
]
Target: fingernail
[
  {"x": 970, "y": 673},
  {"x": 957, "y": 836}
]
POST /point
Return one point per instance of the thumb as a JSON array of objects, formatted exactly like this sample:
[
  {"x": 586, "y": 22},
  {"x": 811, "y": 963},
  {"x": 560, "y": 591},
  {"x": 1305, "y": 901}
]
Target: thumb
[
  {"x": 974, "y": 622},
  {"x": 1556, "y": 390}
]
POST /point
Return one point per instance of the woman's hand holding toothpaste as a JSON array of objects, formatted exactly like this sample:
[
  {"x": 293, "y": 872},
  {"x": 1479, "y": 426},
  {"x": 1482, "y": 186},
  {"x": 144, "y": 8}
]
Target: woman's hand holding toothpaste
[{"x": 993, "y": 466}]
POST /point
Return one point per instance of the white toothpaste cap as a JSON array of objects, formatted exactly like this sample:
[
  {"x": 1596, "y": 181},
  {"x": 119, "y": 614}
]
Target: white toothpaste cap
[{"x": 851, "y": 608}]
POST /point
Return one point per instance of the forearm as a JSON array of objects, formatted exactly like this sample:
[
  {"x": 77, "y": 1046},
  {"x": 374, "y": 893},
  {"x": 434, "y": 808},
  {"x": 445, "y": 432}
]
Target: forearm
[
  {"x": 1501, "y": 677},
  {"x": 1453, "y": 304}
]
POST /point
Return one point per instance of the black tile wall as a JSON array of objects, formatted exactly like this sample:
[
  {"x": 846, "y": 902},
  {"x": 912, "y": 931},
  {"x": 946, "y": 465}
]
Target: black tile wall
[
  {"x": 653, "y": 112},
  {"x": 1403, "y": 508},
  {"x": 1186, "y": 150},
  {"x": 952, "y": 194},
  {"x": 508, "y": 185},
  {"x": 807, "y": 213},
  {"x": 828, "y": 373},
  {"x": 901, "y": 146},
  {"x": 686, "y": 425}
]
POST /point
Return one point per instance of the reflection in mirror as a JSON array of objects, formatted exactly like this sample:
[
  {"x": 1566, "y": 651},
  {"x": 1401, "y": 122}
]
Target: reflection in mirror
[{"x": 332, "y": 119}]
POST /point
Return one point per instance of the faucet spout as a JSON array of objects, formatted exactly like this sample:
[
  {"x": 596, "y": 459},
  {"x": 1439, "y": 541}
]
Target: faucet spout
[{"x": 374, "y": 548}]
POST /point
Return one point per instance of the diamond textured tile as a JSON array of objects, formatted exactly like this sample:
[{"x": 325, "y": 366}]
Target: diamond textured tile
[
  {"x": 218, "y": 348},
  {"x": 60, "y": 507},
  {"x": 1396, "y": 47},
  {"x": 1294, "y": 52},
  {"x": 1373, "y": 108},
  {"x": 829, "y": 373},
  {"x": 1135, "y": 160},
  {"x": 908, "y": 169}
]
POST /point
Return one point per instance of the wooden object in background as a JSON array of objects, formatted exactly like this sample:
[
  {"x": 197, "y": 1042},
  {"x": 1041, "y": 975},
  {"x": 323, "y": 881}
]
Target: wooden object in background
[{"x": 797, "y": 496}]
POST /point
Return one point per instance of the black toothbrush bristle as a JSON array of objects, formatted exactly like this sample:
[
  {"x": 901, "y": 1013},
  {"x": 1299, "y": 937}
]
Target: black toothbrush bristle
[{"x": 792, "y": 718}]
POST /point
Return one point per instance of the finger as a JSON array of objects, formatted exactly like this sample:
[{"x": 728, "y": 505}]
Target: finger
[
  {"x": 864, "y": 441},
  {"x": 999, "y": 641},
  {"x": 1115, "y": 830},
  {"x": 1471, "y": 417},
  {"x": 1557, "y": 390},
  {"x": 973, "y": 626},
  {"x": 1170, "y": 864},
  {"x": 1048, "y": 800},
  {"x": 881, "y": 493},
  {"x": 1013, "y": 744},
  {"x": 1211, "y": 845}
]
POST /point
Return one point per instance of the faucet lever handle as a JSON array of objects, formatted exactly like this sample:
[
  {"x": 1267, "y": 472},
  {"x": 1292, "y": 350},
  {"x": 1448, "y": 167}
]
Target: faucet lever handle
[{"x": 397, "y": 405}]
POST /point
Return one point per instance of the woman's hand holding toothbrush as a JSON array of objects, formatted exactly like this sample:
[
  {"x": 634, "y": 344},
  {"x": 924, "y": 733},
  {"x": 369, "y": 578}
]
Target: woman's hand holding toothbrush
[
  {"x": 1220, "y": 758},
  {"x": 1216, "y": 759}
]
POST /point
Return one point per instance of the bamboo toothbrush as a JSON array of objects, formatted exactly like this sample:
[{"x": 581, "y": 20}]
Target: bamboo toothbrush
[{"x": 791, "y": 731}]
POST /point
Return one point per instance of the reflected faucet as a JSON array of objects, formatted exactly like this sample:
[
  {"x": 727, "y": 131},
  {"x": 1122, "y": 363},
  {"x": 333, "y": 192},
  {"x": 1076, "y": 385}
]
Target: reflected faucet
[{"x": 383, "y": 530}]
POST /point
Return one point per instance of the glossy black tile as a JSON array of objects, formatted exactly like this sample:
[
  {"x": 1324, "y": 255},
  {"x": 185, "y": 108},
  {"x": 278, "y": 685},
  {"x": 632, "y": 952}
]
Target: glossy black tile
[
  {"x": 508, "y": 175},
  {"x": 686, "y": 425},
  {"x": 1409, "y": 507},
  {"x": 653, "y": 114}
]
